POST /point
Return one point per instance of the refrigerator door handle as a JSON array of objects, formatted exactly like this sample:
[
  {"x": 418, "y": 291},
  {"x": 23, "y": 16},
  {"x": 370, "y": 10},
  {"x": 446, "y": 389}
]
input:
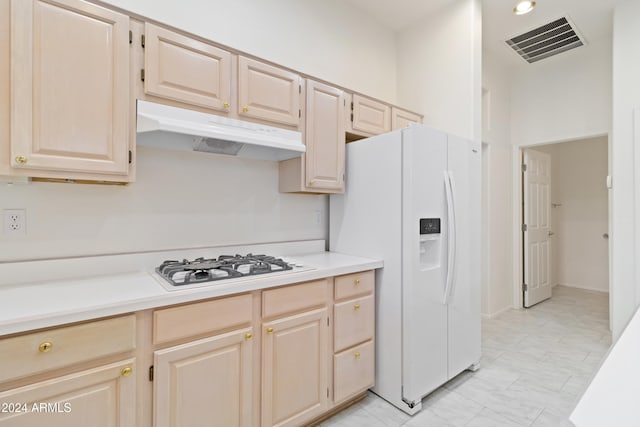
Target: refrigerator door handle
[{"x": 451, "y": 221}]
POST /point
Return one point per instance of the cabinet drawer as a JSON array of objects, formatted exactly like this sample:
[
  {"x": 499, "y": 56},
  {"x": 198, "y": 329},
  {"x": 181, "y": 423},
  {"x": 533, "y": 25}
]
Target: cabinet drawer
[
  {"x": 294, "y": 298},
  {"x": 353, "y": 371},
  {"x": 352, "y": 285},
  {"x": 37, "y": 352},
  {"x": 174, "y": 323},
  {"x": 354, "y": 322}
]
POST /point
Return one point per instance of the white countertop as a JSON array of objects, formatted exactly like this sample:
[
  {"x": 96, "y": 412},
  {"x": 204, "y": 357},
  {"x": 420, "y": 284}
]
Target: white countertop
[
  {"x": 612, "y": 397},
  {"x": 33, "y": 305}
]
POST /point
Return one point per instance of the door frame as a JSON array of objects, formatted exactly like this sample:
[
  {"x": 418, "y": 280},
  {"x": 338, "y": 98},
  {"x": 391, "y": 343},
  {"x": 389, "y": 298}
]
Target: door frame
[{"x": 518, "y": 203}]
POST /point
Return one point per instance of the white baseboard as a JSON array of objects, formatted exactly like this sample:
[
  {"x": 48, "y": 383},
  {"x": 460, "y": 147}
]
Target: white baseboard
[
  {"x": 497, "y": 313},
  {"x": 584, "y": 288}
]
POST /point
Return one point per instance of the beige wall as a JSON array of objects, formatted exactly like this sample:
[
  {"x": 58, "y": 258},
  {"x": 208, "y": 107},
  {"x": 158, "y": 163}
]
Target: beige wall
[
  {"x": 440, "y": 68},
  {"x": 179, "y": 199},
  {"x": 328, "y": 39},
  {"x": 579, "y": 253},
  {"x": 498, "y": 222}
]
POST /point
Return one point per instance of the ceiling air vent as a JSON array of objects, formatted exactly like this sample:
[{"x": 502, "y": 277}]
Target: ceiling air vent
[{"x": 548, "y": 40}]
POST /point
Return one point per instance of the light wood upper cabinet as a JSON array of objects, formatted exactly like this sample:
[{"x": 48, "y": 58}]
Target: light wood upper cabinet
[
  {"x": 187, "y": 70},
  {"x": 205, "y": 382},
  {"x": 100, "y": 397},
  {"x": 368, "y": 116},
  {"x": 268, "y": 93},
  {"x": 321, "y": 168},
  {"x": 70, "y": 105},
  {"x": 402, "y": 118},
  {"x": 294, "y": 369},
  {"x": 324, "y": 137}
]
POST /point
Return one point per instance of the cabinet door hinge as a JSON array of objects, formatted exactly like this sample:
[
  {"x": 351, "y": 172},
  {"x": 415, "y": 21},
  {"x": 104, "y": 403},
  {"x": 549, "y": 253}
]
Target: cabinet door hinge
[
  {"x": 524, "y": 287},
  {"x": 299, "y": 88},
  {"x": 524, "y": 168},
  {"x": 130, "y": 156},
  {"x": 327, "y": 320},
  {"x": 142, "y": 40},
  {"x": 351, "y": 105},
  {"x": 142, "y": 74},
  {"x": 352, "y": 117},
  {"x": 299, "y": 113},
  {"x": 130, "y": 36},
  {"x": 327, "y": 392},
  {"x": 151, "y": 373},
  {"x": 524, "y": 227}
]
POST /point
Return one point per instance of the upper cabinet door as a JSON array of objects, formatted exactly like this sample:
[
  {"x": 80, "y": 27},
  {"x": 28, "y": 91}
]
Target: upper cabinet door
[
  {"x": 184, "y": 69},
  {"x": 402, "y": 118},
  {"x": 268, "y": 93},
  {"x": 370, "y": 116},
  {"x": 324, "y": 137},
  {"x": 70, "y": 104}
]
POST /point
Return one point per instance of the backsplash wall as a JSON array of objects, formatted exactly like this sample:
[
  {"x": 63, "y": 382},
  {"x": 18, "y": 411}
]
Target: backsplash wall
[{"x": 180, "y": 200}]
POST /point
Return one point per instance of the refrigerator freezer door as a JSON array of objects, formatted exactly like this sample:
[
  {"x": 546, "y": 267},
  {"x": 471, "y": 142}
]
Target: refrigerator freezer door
[
  {"x": 463, "y": 309},
  {"x": 424, "y": 316}
]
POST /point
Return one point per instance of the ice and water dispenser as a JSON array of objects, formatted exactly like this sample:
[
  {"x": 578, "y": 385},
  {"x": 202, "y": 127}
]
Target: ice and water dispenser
[{"x": 430, "y": 243}]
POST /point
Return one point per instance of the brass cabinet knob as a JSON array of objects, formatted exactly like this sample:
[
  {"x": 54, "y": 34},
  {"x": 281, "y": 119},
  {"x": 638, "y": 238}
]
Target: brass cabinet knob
[
  {"x": 357, "y": 355},
  {"x": 357, "y": 282},
  {"x": 269, "y": 330},
  {"x": 45, "y": 347},
  {"x": 356, "y": 307},
  {"x": 248, "y": 336},
  {"x": 126, "y": 371},
  {"x": 245, "y": 109},
  {"x": 313, "y": 181},
  {"x": 226, "y": 105},
  {"x": 21, "y": 160}
]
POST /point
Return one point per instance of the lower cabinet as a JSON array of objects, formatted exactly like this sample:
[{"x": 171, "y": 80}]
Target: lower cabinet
[
  {"x": 294, "y": 369},
  {"x": 207, "y": 382},
  {"x": 101, "y": 397}
]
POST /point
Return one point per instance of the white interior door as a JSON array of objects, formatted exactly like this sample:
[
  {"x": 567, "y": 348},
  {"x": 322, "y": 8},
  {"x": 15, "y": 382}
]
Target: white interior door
[{"x": 537, "y": 218}]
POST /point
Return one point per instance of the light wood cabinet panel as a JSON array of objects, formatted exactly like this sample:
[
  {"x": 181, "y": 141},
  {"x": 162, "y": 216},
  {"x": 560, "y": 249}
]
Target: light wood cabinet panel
[
  {"x": 291, "y": 299},
  {"x": 354, "y": 322},
  {"x": 42, "y": 351},
  {"x": 100, "y": 397},
  {"x": 353, "y": 371},
  {"x": 402, "y": 118},
  {"x": 70, "y": 106},
  {"x": 184, "y": 69},
  {"x": 324, "y": 137},
  {"x": 173, "y": 323},
  {"x": 205, "y": 383},
  {"x": 268, "y": 93},
  {"x": 294, "y": 369},
  {"x": 369, "y": 116},
  {"x": 351, "y": 285}
]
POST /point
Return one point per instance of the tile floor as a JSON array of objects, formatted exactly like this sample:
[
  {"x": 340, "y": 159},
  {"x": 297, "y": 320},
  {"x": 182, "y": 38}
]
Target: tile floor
[{"x": 535, "y": 364}]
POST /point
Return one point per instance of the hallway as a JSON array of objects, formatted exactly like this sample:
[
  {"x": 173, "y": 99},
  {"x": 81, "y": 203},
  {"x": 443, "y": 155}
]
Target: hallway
[{"x": 535, "y": 364}]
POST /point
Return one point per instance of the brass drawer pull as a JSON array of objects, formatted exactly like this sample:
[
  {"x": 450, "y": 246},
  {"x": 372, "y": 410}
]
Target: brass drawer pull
[
  {"x": 226, "y": 105},
  {"x": 245, "y": 109},
  {"x": 45, "y": 347},
  {"x": 356, "y": 307},
  {"x": 269, "y": 330},
  {"x": 126, "y": 371},
  {"x": 21, "y": 160},
  {"x": 357, "y": 355},
  {"x": 357, "y": 282},
  {"x": 248, "y": 336}
]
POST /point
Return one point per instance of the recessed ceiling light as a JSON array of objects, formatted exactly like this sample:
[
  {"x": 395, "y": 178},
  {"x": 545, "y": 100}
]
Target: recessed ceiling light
[{"x": 523, "y": 7}]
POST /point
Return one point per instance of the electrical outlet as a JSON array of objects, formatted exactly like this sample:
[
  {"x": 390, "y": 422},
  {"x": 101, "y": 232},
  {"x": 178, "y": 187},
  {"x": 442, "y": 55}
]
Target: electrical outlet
[{"x": 15, "y": 222}]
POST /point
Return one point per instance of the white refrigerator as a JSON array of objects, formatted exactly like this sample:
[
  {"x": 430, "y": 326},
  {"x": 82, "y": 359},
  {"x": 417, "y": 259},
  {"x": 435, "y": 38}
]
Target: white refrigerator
[{"x": 412, "y": 199}]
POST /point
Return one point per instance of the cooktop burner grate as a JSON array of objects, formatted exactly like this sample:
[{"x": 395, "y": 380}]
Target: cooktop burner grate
[{"x": 201, "y": 270}]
